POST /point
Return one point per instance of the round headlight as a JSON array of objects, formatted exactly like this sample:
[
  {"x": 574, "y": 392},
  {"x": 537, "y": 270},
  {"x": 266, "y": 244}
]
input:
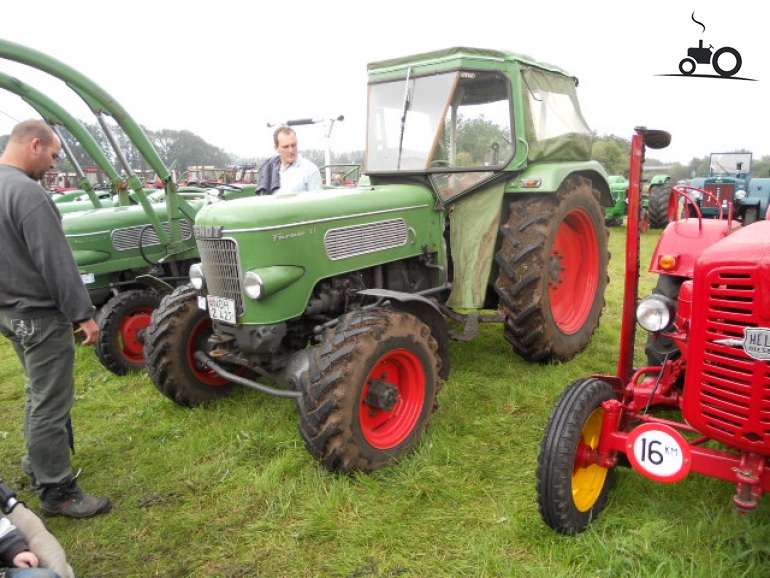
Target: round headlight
[
  {"x": 740, "y": 194},
  {"x": 655, "y": 313},
  {"x": 196, "y": 276},
  {"x": 253, "y": 285},
  {"x": 696, "y": 195}
]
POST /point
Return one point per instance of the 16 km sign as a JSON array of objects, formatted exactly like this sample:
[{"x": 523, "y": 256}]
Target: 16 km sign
[{"x": 659, "y": 452}]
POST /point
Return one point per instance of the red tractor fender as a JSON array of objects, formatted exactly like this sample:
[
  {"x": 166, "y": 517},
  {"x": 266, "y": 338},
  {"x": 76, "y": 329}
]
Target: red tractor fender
[{"x": 683, "y": 241}]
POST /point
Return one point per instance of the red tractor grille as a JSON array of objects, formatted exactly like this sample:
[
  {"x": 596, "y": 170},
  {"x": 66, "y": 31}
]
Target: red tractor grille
[{"x": 727, "y": 392}]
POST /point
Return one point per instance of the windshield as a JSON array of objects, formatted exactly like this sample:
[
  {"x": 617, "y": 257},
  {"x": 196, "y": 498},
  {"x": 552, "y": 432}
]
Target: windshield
[
  {"x": 456, "y": 120},
  {"x": 730, "y": 163}
]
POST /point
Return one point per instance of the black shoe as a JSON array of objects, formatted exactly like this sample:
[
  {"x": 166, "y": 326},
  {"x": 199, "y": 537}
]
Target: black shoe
[{"x": 67, "y": 499}]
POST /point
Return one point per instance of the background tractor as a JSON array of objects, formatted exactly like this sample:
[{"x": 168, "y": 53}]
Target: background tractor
[
  {"x": 130, "y": 250},
  {"x": 712, "y": 375},
  {"x": 479, "y": 194},
  {"x": 731, "y": 185}
]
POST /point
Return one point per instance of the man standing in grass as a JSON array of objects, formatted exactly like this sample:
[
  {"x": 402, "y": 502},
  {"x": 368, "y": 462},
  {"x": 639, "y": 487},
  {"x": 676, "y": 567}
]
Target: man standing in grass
[{"x": 41, "y": 296}]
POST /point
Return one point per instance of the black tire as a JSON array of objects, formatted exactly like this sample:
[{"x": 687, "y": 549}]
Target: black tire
[
  {"x": 553, "y": 243},
  {"x": 569, "y": 495},
  {"x": 122, "y": 322},
  {"x": 750, "y": 215},
  {"x": 658, "y": 346},
  {"x": 344, "y": 427},
  {"x": 658, "y": 207},
  {"x": 178, "y": 329}
]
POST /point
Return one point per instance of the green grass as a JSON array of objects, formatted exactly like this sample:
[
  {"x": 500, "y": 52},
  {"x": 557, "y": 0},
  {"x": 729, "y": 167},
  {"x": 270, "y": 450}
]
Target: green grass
[{"x": 229, "y": 490}]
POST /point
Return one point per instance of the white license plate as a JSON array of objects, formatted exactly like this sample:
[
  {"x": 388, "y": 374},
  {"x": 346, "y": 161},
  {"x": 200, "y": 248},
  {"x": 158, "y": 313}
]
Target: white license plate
[
  {"x": 87, "y": 278},
  {"x": 221, "y": 308}
]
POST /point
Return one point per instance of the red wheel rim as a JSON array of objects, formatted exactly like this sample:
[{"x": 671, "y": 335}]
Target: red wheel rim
[
  {"x": 196, "y": 342},
  {"x": 385, "y": 429},
  {"x": 573, "y": 276},
  {"x": 130, "y": 345}
]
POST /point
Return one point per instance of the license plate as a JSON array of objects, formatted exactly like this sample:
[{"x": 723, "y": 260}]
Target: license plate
[
  {"x": 87, "y": 278},
  {"x": 221, "y": 308}
]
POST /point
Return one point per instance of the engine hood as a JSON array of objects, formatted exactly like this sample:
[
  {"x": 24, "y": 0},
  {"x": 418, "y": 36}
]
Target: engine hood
[{"x": 284, "y": 210}]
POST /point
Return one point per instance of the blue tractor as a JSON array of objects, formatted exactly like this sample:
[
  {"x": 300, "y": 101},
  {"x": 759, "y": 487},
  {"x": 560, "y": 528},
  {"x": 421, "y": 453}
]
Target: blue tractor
[{"x": 730, "y": 183}]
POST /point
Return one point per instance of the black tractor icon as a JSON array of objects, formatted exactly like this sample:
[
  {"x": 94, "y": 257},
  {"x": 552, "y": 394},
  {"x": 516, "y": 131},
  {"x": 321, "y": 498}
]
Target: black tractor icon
[{"x": 701, "y": 55}]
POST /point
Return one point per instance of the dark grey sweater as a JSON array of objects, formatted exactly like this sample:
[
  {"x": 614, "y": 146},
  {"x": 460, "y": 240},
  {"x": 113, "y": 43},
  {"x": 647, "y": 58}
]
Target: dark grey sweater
[{"x": 38, "y": 273}]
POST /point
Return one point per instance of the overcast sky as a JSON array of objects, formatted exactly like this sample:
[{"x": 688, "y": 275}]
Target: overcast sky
[{"x": 223, "y": 69}]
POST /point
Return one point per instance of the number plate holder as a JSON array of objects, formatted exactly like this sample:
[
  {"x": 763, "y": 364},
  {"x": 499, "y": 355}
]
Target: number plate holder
[{"x": 221, "y": 309}]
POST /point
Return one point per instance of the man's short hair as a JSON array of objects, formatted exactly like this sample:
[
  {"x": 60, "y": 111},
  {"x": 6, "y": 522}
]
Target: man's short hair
[
  {"x": 283, "y": 129},
  {"x": 30, "y": 129}
]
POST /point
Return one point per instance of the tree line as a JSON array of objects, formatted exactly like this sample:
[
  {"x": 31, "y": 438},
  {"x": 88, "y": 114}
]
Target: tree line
[{"x": 613, "y": 152}]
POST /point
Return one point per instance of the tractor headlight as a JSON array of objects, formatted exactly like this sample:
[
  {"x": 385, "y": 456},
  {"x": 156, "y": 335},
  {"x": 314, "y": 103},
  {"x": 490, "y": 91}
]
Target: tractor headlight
[
  {"x": 253, "y": 286},
  {"x": 196, "y": 276},
  {"x": 655, "y": 313},
  {"x": 740, "y": 194},
  {"x": 696, "y": 195}
]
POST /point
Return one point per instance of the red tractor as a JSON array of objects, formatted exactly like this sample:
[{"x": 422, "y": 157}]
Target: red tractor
[{"x": 707, "y": 365}]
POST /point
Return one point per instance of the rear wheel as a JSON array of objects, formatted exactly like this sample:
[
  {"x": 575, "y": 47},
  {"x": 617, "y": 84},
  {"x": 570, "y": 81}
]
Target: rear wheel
[
  {"x": 658, "y": 207},
  {"x": 179, "y": 328},
  {"x": 122, "y": 322},
  {"x": 553, "y": 272},
  {"x": 571, "y": 490},
  {"x": 371, "y": 388}
]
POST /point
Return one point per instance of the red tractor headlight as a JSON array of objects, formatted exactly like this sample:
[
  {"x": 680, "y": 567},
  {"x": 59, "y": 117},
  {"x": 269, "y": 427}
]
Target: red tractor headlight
[{"x": 656, "y": 313}]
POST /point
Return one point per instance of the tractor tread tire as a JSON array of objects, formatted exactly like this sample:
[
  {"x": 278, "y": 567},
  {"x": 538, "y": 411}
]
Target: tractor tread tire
[
  {"x": 338, "y": 371},
  {"x": 167, "y": 349},
  {"x": 523, "y": 270},
  {"x": 110, "y": 318},
  {"x": 658, "y": 207}
]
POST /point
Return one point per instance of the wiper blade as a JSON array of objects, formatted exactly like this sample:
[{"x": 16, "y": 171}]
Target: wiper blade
[{"x": 407, "y": 103}]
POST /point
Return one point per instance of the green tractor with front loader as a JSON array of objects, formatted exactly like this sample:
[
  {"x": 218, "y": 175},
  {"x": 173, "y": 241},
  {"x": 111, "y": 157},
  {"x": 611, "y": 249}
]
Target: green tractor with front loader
[
  {"x": 130, "y": 249},
  {"x": 479, "y": 195}
]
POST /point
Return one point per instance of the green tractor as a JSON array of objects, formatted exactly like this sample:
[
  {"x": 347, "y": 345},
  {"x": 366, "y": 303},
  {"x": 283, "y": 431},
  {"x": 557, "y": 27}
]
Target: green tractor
[
  {"x": 479, "y": 194},
  {"x": 130, "y": 250}
]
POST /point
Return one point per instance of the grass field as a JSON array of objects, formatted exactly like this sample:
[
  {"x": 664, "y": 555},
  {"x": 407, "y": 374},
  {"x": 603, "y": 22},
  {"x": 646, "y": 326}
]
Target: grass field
[{"x": 229, "y": 490}]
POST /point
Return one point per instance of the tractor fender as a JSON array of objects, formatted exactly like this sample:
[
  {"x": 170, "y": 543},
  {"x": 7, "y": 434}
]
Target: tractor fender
[
  {"x": 155, "y": 283},
  {"x": 685, "y": 240},
  {"x": 424, "y": 309},
  {"x": 759, "y": 191},
  {"x": 548, "y": 177}
]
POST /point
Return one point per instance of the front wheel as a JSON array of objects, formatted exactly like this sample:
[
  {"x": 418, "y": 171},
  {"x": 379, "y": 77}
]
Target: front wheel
[
  {"x": 178, "y": 329},
  {"x": 370, "y": 389},
  {"x": 122, "y": 323},
  {"x": 571, "y": 489},
  {"x": 553, "y": 263}
]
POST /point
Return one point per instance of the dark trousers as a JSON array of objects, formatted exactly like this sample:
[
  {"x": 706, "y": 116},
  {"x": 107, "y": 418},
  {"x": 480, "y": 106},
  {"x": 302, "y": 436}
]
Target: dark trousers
[{"x": 46, "y": 348}]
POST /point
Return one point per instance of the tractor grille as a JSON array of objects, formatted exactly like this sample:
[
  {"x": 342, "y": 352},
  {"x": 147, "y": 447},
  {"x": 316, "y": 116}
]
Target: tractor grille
[
  {"x": 728, "y": 392},
  {"x": 130, "y": 237},
  {"x": 362, "y": 239},
  {"x": 222, "y": 270},
  {"x": 724, "y": 192}
]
